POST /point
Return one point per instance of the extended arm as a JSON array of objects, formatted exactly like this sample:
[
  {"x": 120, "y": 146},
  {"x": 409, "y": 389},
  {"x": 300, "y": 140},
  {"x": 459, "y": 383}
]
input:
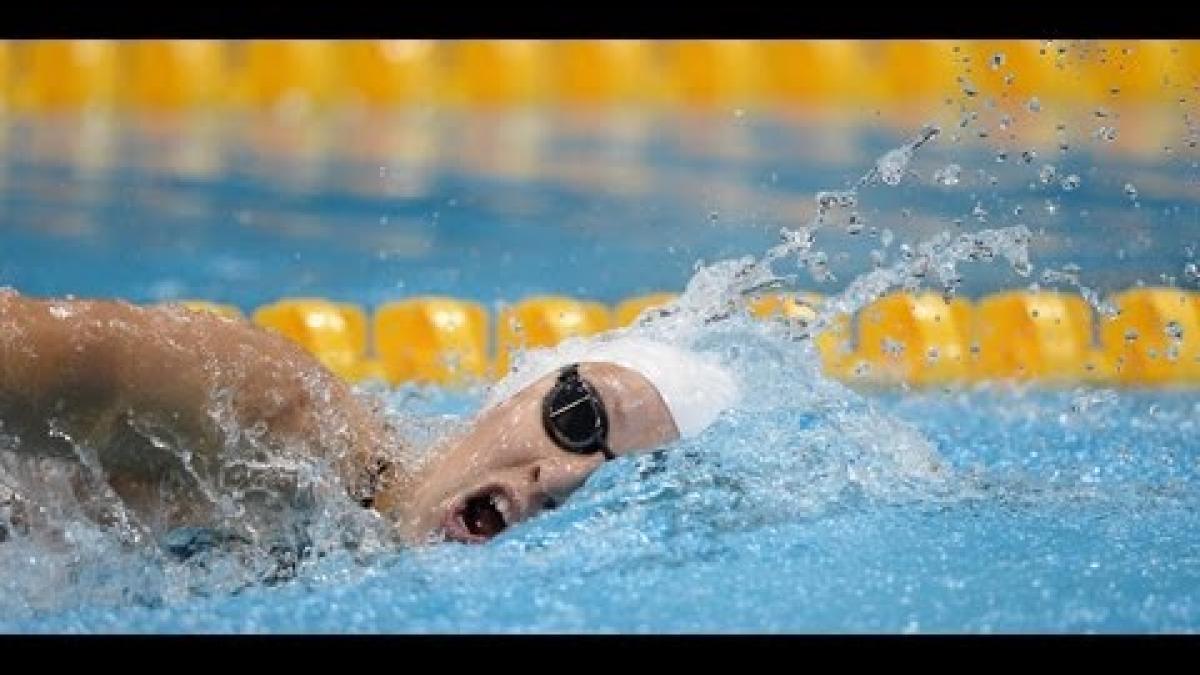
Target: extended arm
[{"x": 110, "y": 381}]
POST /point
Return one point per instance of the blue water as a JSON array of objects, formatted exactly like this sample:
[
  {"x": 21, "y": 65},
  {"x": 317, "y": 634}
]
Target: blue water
[
  {"x": 500, "y": 207},
  {"x": 810, "y": 508},
  {"x": 1058, "y": 521}
]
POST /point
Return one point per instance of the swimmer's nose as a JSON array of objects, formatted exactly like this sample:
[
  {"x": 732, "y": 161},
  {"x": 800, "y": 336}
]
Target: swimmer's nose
[{"x": 553, "y": 481}]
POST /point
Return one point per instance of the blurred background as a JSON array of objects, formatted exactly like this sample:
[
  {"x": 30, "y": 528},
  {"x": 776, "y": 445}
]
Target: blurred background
[{"x": 240, "y": 172}]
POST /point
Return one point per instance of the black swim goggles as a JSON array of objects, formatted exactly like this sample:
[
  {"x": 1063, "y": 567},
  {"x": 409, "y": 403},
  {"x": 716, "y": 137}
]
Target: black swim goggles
[{"x": 574, "y": 416}]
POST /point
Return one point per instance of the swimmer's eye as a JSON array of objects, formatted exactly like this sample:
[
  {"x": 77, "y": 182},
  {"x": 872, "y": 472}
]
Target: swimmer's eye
[{"x": 550, "y": 504}]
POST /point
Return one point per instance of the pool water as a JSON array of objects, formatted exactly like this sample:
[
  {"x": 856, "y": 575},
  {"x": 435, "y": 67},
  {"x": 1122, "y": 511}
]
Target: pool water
[
  {"x": 811, "y": 507},
  {"x": 1055, "y": 519}
]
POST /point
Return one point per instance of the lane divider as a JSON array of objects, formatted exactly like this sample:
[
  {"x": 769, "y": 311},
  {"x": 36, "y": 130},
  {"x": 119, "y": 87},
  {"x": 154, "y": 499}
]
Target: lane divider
[
  {"x": 1036, "y": 336},
  {"x": 919, "y": 339},
  {"x": 914, "y": 339},
  {"x": 51, "y": 75},
  {"x": 432, "y": 340},
  {"x": 834, "y": 343},
  {"x": 544, "y": 321},
  {"x": 1155, "y": 338},
  {"x": 335, "y": 332}
]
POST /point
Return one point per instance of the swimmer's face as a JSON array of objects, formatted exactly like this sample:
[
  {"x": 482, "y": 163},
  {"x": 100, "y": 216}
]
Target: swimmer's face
[{"x": 506, "y": 469}]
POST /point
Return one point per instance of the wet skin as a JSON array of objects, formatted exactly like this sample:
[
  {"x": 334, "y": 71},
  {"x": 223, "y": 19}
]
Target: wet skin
[
  {"x": 506, "y": 468},
  {"x": 126, "y": 381}
]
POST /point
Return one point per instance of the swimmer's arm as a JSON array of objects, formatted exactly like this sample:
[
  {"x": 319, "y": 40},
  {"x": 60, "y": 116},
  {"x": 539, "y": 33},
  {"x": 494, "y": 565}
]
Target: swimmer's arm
[{"x": 80, "y": 370}]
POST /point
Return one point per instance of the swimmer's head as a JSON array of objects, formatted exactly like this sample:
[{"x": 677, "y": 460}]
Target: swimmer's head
[{"x": 525, "y": 454}]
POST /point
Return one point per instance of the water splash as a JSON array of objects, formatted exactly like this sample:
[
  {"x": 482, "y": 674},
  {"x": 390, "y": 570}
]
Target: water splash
[{"x": 800, "y": 446}]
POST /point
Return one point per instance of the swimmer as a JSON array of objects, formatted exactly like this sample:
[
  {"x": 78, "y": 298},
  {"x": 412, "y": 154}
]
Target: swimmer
[{"x": 111, "y": 385}]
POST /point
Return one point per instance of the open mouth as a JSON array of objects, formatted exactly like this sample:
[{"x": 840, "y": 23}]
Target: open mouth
[{"x": 481, "y": 516}]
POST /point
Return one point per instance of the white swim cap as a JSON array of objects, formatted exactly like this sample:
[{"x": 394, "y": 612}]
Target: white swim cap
[{"x": 695, "y": 388}]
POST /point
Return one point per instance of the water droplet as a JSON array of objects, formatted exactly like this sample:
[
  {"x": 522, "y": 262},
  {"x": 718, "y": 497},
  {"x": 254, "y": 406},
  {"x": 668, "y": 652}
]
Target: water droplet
[
  {"x": 1106, "y": 133},
  {"x": 997, "y": 60},
  {"x": 1047, "y": 174},
  {"x": 1131, "y": 335},
  {"x": 855, "y": 224},
  {"x": 1028, "y": 156},
  {"x": 1191, "y": 271},
  {"x": 1173, "y": 330},
  {"x": 1131, "y": 191},
  {"x": 839, "y": 198},
  {"x": 1001, "y": 157},
  {"x": 979, "y": 212},
  {"x": 948, "y": 175},
  {"x": 1071, "y": 182},
  {"x": 1034, "y": 105}
]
